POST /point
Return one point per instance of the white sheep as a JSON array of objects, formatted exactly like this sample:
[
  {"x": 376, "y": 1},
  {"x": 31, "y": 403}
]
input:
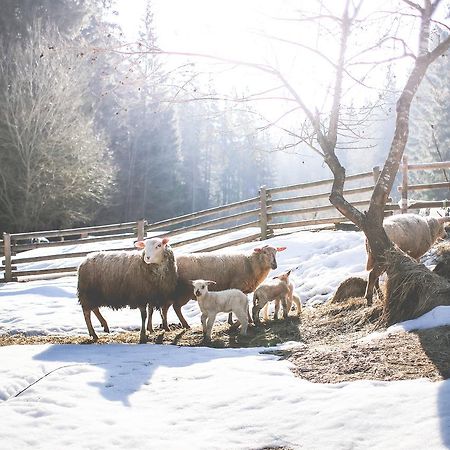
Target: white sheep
[
  {"x": 276, "y": 288},
  {"x": 413, "y": 234},
  {"x": 212, "y": 303},
  {"x": 128, "y": 278},
  {"x": 243, "y": 271}
]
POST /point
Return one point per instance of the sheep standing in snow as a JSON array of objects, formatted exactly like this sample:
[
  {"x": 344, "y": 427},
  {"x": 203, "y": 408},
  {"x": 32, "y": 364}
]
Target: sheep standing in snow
[
  {"x": 119, "y": 279},
  {"x": 212, "y": 303},
  {"x": 243, "y": 271},
  {"x": 291, "y": 298},
  {"x": 276, "y": 288},
  {"x": 413, "y": 234}
]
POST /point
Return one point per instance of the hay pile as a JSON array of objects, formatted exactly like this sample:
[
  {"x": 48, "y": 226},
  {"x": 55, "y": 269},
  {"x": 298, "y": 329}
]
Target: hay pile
[
  {"x": 349, "y": 288},
  {"x": 412, "y": 289}
]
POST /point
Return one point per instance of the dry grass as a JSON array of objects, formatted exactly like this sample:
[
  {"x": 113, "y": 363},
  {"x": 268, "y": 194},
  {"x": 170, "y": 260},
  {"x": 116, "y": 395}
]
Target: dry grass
[{"x": 333, "y": 350}]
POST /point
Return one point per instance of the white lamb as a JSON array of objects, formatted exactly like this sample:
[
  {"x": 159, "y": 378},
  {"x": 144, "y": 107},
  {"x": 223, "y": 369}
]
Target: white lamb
[{"x": 212, "y": 303}]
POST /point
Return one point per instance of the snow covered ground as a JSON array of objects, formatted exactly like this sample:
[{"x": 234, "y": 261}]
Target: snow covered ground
[{"x": 149, "y": 396}]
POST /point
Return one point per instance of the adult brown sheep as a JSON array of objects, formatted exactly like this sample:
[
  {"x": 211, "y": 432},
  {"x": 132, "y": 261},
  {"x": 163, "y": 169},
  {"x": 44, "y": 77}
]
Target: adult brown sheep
[
  {"x": 243, "y": 271},
  {"x": 129, "y": 278}
]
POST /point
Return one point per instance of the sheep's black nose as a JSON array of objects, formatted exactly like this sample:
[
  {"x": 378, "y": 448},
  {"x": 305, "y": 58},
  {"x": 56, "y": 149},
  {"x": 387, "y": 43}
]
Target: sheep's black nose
[{"x": 197, "y": 293}]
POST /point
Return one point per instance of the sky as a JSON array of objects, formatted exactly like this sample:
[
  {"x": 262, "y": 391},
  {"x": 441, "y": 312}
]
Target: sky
[{"x": 244, "y": 31}]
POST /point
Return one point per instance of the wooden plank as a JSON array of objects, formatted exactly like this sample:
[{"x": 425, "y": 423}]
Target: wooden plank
[
  {"x": 423, "y": 187},
  {"x": 430, "y": 166},
  {"x": 74, "y": 231},
  {"x": 7, "y": 253},
  {"x": 319, "y": 196},
  {"x": 30, "y": 259},
  {"x": 250, "y": 238},
  {"x": 304, "y": 223},
  {"x": 199, "y": 214},
  {"x": 212, "y": 223},
  {"x": 24, "y": 273},
  {"x": 294, "y": 187},
  {"x": 292, "y": 212},
  {"x": 113, "y": 237},
  {"x": 263, "y": 217},
  {"x": 216, "y": 234}
]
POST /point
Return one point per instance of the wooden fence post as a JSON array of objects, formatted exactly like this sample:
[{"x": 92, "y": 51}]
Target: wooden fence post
[
  {"x": 404, "y": 203},
  {"x": 7, "y": 254},
  {"x": 263, "y": 213},
  {"x": 140, "y": 229}
]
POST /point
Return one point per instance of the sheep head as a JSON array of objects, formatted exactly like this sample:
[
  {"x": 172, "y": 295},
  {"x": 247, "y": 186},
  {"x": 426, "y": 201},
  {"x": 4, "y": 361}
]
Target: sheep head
[
  {"x": 153, "y": 249},
  {"x": 268, "y": 254},
  {"x": 284, "y": 276},
  {"x": 201, "y": 286}
]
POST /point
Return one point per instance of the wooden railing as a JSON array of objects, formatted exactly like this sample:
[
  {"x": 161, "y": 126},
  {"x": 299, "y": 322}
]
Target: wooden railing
[
  {"x": 406, "y": 188},
  {"x": 256, "y": 218}
]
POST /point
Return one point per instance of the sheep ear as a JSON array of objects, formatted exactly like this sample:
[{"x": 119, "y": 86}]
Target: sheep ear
[
  {"x": 281, "y": 249},
  {"x": 192, "y": 282},
  {"x": 165, "y": 240},
  {"x": 139, "y": 244},
  {"x": 288, "y": 272},
  {"x": 210, "y": 282}
]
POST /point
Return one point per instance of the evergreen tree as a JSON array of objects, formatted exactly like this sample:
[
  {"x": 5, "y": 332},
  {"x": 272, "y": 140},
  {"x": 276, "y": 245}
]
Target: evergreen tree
[{"x": 429, "y": 132}]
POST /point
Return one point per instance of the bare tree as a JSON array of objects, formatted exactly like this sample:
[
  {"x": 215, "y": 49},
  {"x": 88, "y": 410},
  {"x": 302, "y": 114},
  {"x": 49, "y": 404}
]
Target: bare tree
[
  {"x": 54, "y": 167},
  {"x": 324, "y": 131}
]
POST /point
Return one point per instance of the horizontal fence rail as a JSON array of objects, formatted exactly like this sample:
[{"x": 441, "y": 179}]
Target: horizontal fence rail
[
  {"x": 405, "y": 188},
  {"x": 258, "y": 218}
]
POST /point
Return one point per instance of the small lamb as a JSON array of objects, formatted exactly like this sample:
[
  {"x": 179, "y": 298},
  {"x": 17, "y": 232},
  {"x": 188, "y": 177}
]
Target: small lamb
[
  {"x": 291, "y": 298},
  {"x": 277, "y": 288},
  {"x": 211, "y": 303}
]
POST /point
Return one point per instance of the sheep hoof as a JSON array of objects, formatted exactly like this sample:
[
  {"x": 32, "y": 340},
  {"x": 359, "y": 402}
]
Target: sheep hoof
[
  {"x": 106, "y": 329},
  {"x": 186, "y": 327},
  {"x": 143, "y": 340}
]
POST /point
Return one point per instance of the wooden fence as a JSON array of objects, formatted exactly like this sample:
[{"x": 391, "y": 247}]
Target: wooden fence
[
  {"x": 256, "y": 218},
  {"x": 407, "y": 188}
]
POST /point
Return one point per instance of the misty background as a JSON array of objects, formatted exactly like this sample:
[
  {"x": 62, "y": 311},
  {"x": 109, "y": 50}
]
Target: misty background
[{"x": 93, "y": 133}]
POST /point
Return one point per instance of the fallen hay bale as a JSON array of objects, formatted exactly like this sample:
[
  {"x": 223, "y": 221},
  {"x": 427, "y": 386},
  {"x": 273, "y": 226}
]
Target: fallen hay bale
[
  {"x": 411, "y": 290},
  {"x": 349, "y": 288}
]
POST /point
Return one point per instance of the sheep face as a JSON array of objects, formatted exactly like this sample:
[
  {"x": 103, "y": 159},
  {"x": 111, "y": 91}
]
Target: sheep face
[
  {"x": 284, "y": 277},
  {"x": 201, "y": 287},
  {"x": 268, "y": 254},
  {"x": 153, "y": 249}
]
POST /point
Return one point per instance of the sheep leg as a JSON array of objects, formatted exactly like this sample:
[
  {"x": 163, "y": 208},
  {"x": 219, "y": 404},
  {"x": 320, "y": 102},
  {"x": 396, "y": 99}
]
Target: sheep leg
[
  {"x": 230, "y": 319},
  {"x": 277, "y": 309},
  {"x": 178, "y": 312},
  {"x": 87, "y": 318},
  {"x": 150, "y": 317},
  {"x": 209, "y": 324},
  {"x": 242, "y": 317},
  {"x": 266, "y": 312},
  {"x": 284, "y": 301},
  {"x": 298, "y": 304},
  {"x": 143, "y": 336},
  {"x": 373, "y": 280},
  {"x": 164, "y": 310},
  {"x": 101, "y": 319},
  {"x": 203, "y": 319}
]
